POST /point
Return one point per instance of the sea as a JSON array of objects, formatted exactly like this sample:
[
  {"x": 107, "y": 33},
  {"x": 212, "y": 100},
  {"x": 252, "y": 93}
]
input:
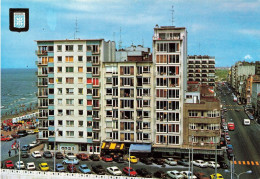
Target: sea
[{"x": 18, "y": 90}]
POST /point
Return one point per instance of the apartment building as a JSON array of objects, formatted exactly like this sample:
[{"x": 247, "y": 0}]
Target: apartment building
[
  {"x": 170, "y": 59},
  {"x": 202, "y": 121},
  {"x": 201, "y": 69},
  {"x": 69, "y": 93}
]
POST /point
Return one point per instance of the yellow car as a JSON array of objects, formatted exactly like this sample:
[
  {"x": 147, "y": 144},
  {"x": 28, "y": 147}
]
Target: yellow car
[
  {"x": 44, "y": 167},
  {"x": 133, "y": 159},
  {"x": 36, "y": 130},
  {"x": 219, "y": 176}
]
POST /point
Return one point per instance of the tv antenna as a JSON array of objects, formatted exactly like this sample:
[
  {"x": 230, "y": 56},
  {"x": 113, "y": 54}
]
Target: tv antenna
[
  {"x": 120, "y": 41},
  {"x": 172, "y": 10},
  {"x": 76, "y": 28}
]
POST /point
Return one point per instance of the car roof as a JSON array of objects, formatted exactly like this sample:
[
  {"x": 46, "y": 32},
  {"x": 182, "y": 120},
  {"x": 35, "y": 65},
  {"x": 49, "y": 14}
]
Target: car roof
[
  {"x": 114, "y": 167},
  {"x": 83, "y": 165},
  {"x": 30, "y": 163},
  {"x": 43, "y": 163}
]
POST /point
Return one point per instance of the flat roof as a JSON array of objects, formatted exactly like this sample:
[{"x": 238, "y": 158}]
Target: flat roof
[
  {"x": 67, "y": 40},
  {"x": 170, "y": 27}
]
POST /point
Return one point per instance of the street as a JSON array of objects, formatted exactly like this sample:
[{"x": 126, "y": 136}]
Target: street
[{"x": 245, "y": 139}]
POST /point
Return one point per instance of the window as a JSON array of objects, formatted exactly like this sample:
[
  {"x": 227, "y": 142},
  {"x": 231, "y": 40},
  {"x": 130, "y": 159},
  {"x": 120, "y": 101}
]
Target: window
[
  {"x": 69, "y": 90},
  {"x": 80, "y": 112},
  {"x": 108, "y": 91},
  {"x": 59, "y": 69},
  {"x": 174, "y": 59},
  {"x": 95, "y": 59},
  {"x": 70, "y": 123},
  {"x": 80, "y": 59},
  {"x": 80, "y": 91},
  {"x": 89, "y": 102},
  {"x": 80, "y": 102},
  {"x": 59, "y": 48},
  {"x": 70, "y": 133},
  {"x": 70, "y": 101},
  {"x": 193, "y": 113},
  {"x": 69, "y": 112},
  {"x": 59, "y": 112},
  {"x": 213, "y": 113},
  {"x": 51, "y": 80},
  {"x": 59, "y": 101},
  {"x": 127, "y": 136},
  {"x": 95, "y": 92},
  {"x": 173, "y": 139},
  {"x": 80, "y": 69},
  {"x": 69, "y": 80},
  {"x": 89, "y": 59},
  {"x": 89, "y": 91},
  {"x": 109, "y": 80},
  {"x": 109, "y": 102},
  {"x": 89, "y": 69},
  {"x": 95, "y": 70},
  {"x": 59, "y": 90},
  {"x": 126, "y": 70},
  {"x": 69, "y": 47},
  {"x": 59, "y": 59},
  {"x": 80, "y": 123},
  {"x": 146, "y": 69},
  {"x": 69, "y": 58},
  {"x": 59, "y": 80},
  {"x": 80, "y": 80},
  {"x": 50, "y": 59},
  {"x": 192, "y": 126},
  {"x": 60, "y": 122},
  {"x": 69, "y": 69},
  {"x": 80, "y": 133},
  {"x": 174, "y": 128},
  {"x": 80, "y": 47},
  {"x": 161, "y": 128},
  {"x": 93, "y": 48}
]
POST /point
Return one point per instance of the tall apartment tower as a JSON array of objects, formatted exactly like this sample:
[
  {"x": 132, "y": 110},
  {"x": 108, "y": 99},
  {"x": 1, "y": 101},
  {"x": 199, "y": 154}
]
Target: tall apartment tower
[
  {"x": 69, "y": 93},
  {"x": 170, "y": 59}
]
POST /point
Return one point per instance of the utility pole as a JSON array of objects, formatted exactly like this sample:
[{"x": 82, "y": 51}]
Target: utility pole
[
  {"x": 172, "y": 11},
  {"x": 76, "y": 29}
]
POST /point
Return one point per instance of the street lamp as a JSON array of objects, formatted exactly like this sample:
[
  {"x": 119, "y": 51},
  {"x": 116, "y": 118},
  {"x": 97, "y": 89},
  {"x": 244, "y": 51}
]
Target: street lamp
[
  {"x": 238, "y": 175},
  {"x": 54, "y": 156}
]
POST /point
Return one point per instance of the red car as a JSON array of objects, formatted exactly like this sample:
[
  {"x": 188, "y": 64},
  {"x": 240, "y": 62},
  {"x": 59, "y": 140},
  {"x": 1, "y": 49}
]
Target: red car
[
  {"x": 132, "y": 171},
  {"x": 82, "y": 156},
  {"x": 15, "y": 135},
  {"x": 6, "y": 138},
  {"x": 9, "y": 164},
  {"x": 107, "y": 158},
  {"x": 72, "y": 168}
]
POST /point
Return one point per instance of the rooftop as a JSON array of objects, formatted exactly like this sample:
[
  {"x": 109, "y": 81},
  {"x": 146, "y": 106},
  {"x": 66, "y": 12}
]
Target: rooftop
[
  {"x": 168, "y": 27},
  {"x": 68, "y": 40}
]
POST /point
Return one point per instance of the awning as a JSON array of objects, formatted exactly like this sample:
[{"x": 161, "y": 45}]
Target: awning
[
  {"x": 103, "y": 145},
  {"x": 141, "y": 148},
  {"x": 118, "y": 146},
  {"x": 112, "y": 146},
  {"x": 122, "y": 146}
]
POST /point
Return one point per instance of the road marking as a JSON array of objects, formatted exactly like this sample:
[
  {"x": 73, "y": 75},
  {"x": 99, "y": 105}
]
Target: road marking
[
  {"x": 235, "y": 162},
  {"x": 252, "y": 163},
  {"x": 248, "y": 163},
  {"x": 244, "y": 162},
  {"x": 256, "y": 163},
  {"x": 239, "y": 162}
]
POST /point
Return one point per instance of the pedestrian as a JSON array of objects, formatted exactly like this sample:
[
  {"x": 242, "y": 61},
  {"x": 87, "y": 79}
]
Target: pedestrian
[
  {"x": 9, "y": 152},
  {"x": 15, "y": 150}
]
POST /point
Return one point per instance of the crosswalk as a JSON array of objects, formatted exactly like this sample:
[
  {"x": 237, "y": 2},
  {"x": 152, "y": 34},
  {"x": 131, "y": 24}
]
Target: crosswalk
[
  {"x": 229, "y": 105},
  {"x": 245, "y": 163}
]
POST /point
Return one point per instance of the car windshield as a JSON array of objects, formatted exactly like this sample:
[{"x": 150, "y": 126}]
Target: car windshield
[
  {"x": 30, "y": 165},
  {"x": 59, "y": 166},
  {"x": 44, "y": 165},
  {"x": 9, "y": 162},
  {"x": 133, "y": 157},
  {"x": 116, "y": 170},
  {"x": 131, "y": 170},
  {"x": 84, "y": 167}
]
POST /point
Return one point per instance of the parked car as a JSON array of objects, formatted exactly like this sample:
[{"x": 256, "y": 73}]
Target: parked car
[
  {"x": 184, "y": 162},
  {"x": 84, "y": 168},
  {"x": 200, "y": 163},
  {"x": 72, "y": 168},
  {"x": 22, "y": 133},
  {"x": 70, "y": 155},
  {"x": 9, "y": 164},
  {"x": 212, "y": 164},
  {"x": 59, "y": 167},
  {"x": 36, "y": 154},
  {"x": 82, "y": 156},
  {"x": 20, "y": 165},
  {"x": 223, "y": 165},
  {"x": 6, "y": 138},
  {"x": 59, "y": 155},
  {"x": 146, "y": 161},
  {"x": 144, "y": 173},
  {"x": 218, "y": 176},
  {"x": 188, "y": 174},
  {"x": 132, "y": 159},
  {"x": 129, "y": 171},
  {"x": 119, "y": 159},
  {"x": 158, "y": 161},
  {"x": 170, "y": 161},
  {"x": 30, "y": 132},
  {"x": 34, "y": 144},
  {"x": 30, "y": 166},
  {"x": 94, "y": 157},
  {"x": 107, "y": 158},
  {"x": 175, "y": 174},
  {"x": 47, "y": 154},
  {"x": 98, "y": 169},
  {"x": 25, "y": 148},
  {"x": 227, "y": 137},
  {"x": 201, "y": 175},
  {"x": 44, "y": 167},
  {"x": 230, "y": 156},
  {"x": 160, "y": 174},
  {"x": 24, "y": 154},
  {"x": 15, "y": 135},
  {"x": 114, "y": 170},
  {"x": 71, "y": 161}
]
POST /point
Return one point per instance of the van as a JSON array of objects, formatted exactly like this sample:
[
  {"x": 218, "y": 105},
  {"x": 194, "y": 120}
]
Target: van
[{"x": 246, "y": 122}]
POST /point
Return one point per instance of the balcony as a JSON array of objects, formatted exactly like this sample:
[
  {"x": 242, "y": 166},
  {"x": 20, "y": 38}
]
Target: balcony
[
  {"x": 39, "y": 63},
  {"x": 41, "y": 52},
  {"x": 41, "y": 74},
  {"x": 41, "y": 84},
  {"x": 208, "y": 133},
  {"x": 96, "y": 117}
]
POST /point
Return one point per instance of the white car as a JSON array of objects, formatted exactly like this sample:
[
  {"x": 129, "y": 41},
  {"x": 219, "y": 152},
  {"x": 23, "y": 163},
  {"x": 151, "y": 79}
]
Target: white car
[
  {"x": 114, "y": 170},
  {"x": 36, "y": 154},
  {"x": 170, "y": 161},
  {"x": 200, "y": 163},
  {"x": 212, "y": 164},
  {"x": 30, "y": 166},
  {"x": 188, "y": 174},
  {"x": 30, "y": 132},
  {"x": 33, "y": 144},
  {"x": 20, "y": 165},
  {"x": 70, "y": 155},
  {"x": 175, "y": 174}
]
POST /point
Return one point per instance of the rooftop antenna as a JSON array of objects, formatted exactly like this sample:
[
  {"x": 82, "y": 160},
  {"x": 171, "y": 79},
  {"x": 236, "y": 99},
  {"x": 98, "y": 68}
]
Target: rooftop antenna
[
  {"x": 172, "y": 10},
  {"x": 76, "y": 29},
  {"x": 142, "y": 41},
  {"x": 114, "y": 34},
  {"x": 120, "y": 41}
]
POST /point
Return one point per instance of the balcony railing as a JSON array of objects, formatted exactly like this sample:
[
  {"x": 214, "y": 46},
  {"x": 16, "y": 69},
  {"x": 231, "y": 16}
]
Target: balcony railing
[{"x": 41, "y": 52}]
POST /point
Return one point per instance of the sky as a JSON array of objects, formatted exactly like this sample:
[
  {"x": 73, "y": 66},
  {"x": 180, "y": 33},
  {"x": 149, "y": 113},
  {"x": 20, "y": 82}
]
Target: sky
[{"x": 226, "y": 29}]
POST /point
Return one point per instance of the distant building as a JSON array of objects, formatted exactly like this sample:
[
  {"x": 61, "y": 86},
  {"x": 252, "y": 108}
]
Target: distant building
[
  {"x": 201, "y": 69},
  {"x": 255, "y": 95}
]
